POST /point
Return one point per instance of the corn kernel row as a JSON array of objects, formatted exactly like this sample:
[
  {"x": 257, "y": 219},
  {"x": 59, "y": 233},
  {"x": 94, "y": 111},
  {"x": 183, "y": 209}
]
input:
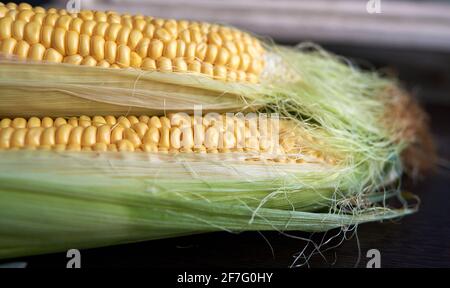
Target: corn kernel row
[{"x": 174, "y": 133}]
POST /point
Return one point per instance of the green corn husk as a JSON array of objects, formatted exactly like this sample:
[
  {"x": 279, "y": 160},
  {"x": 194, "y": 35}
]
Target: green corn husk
[
  {"x": 63, "y": 90},
  {"x": 52, "y": 201}
]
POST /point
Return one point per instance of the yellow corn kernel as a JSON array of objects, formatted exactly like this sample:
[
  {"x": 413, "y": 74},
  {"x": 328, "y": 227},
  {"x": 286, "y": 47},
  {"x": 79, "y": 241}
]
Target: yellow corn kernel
[{"x": 51, "y": 55}]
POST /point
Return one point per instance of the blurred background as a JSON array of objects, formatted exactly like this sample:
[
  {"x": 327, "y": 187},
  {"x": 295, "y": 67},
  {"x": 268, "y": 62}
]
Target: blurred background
[{"x": 407, "y": 39}]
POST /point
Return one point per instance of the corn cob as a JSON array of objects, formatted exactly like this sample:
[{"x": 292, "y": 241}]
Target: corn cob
[
  {"x": 107, "y": 39},
  {"x": 335, "y": 124},
  {"x": 172, "y": 65}
]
